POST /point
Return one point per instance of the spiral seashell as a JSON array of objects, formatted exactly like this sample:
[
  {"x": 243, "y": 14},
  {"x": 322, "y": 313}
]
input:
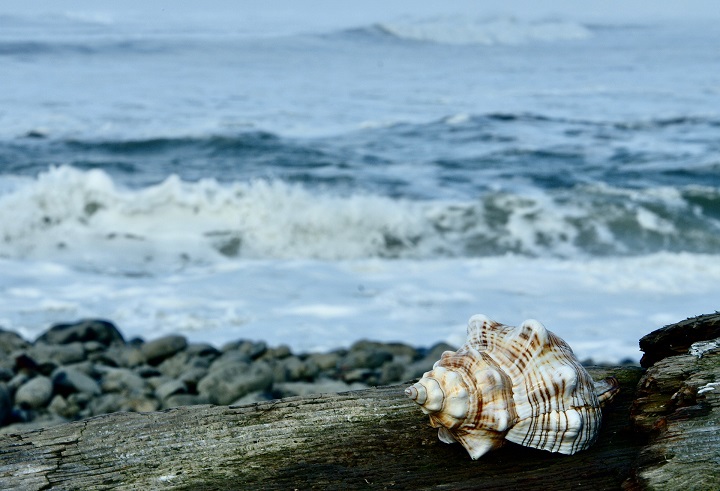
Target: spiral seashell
[{"x": 522, "y": 384}]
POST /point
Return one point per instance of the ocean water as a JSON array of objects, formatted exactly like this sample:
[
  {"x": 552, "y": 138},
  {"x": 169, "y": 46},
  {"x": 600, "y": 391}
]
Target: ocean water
[{"x": 383, "y": 174}]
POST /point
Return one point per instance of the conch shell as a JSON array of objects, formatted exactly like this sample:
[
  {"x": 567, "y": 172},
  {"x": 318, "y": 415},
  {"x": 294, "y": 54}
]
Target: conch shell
[{"x": 521, "y": 384}]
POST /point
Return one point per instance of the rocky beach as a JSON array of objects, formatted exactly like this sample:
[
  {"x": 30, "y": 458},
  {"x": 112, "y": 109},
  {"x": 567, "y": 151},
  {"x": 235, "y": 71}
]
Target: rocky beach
[{"x": 78, "y": 370}]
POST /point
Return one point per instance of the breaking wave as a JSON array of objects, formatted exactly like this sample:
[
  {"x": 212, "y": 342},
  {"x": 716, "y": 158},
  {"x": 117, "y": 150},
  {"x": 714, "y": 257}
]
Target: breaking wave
[
  {"x": 84, "y": 219},
  {"x": 498, "y": 31}
]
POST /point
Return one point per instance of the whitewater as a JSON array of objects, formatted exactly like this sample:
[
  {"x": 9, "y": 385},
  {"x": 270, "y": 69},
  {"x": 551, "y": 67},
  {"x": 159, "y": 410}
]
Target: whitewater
[{"x": 316, "y": 179}]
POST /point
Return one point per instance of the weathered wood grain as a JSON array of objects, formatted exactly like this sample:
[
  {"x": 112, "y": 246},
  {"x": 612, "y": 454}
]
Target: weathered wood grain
[{"x": 370, "y": 439}]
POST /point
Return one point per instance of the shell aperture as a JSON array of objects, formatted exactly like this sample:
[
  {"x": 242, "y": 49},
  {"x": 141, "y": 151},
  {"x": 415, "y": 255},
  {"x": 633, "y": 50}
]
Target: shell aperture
[{"x": 522, "y": 384}]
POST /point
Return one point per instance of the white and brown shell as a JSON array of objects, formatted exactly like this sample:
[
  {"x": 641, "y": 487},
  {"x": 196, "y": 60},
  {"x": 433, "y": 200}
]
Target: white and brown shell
[{"x": 521, "y": 384}]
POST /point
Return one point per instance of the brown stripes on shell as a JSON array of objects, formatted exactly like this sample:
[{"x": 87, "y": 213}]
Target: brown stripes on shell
[{"x": 540, "y": 394}]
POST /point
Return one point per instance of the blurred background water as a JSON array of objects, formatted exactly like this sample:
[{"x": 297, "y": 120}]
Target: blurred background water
[{"x": 315, "y": 174}]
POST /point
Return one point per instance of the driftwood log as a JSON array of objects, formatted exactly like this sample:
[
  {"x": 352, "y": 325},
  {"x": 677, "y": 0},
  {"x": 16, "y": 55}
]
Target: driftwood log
[{"x": 661, "y": 432}]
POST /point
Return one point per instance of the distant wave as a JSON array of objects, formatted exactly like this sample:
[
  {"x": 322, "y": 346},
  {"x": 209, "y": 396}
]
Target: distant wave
[
  {"x": 499, "y": 31},
  {"x": 84, "y": 219}
]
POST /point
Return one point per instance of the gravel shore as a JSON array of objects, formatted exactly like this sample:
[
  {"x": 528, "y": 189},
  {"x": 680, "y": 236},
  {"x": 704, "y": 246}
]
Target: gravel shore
[{"x": 74, "y": 371}]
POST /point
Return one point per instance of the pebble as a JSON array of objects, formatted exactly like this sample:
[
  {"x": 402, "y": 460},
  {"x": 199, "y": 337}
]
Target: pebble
[
  {"x": 232, "y": 381},
  {"x": 84, "y": 369},
  {"x": 5, "y": 403},
  {"x": 86, "y": 330},
  {"x": 35, "y": 393},
  {"x": 68, "y": 380},
  {"x": 159, "y": 349}
]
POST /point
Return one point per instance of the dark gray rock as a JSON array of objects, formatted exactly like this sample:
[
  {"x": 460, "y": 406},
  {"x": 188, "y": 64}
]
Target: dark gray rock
[
  {"x": 250, "y": 348},
  {"x": 278, "y": 353},
  {"x": 140, "y": 404},
  {"x": 64, "y": 408},
  {"x": 157, "y": 350},
  {"x": 232, "y": 381},
  {"x": 253, "y": 397},
  {"x": 203, "y": 350},
  {"x": 364, "y": 375},
  {"x": 61, "y": 354},
  {"x": 170, "y": 388},
  {"x": 69, "y": 380},
  {"x": 125, "y": 356},
  {"x": 321, "y": 386},
  {"x": 293, "y": 368},
  {"x": 178, "y": 400},
  {"x": 35, "y": 393},
  {"x": 93, "y": 347},
  {"x": 5, "y": 403},
  {"x": 418, "y": 368},
  {"x": 192, "y": 377},
  {"x": 365, "y": 358},
  {"x": 325, "y": 361},
  {"x": 183, "y": 361},
  {"x": 436, "y": 351},
  {"x": 11, "y": 341},
  {"x": 6, "y": 374},
  {"x": 395, "y": 349},
  {"x": 122, "y": 380},
  {"x": 155, "y": 382},
  {"x": 106, "y": 403},
  {"x": 87, "y": 330},
  {"x": 392, "y": 372},
  {"x": 230, "y": 358},
  {"x": 146, "y": 371},
  {"x": 15, "y": 382},
  {"x": 175, "y": 365},
  {"x": 402, "y": 350}
]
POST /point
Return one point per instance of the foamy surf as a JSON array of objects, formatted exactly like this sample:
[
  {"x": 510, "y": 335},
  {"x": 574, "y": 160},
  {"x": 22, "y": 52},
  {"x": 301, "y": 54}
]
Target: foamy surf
[{"x": 86, "y": 220}]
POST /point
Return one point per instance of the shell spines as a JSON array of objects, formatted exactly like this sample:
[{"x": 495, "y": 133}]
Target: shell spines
[{"x": 521, "y": 384}]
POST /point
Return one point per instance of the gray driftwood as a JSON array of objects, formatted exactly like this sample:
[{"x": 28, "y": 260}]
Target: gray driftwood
[
  {"x": 371, "y": 439},
  {"x": 378, "y": 439}
]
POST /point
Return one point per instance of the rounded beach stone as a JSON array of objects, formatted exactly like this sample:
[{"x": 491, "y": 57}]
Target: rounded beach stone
[
  {"x": 282, "y": 351},
  {"x": 391, "y": 372},
  {"x": 436, "y": 351},
  {"x": 203, "y": 350},
  {"x": 68, "y": 380},
  {"x": 122, "y": 380},
  {"x": 178, "y": 400},
  {"x": 192, "y": 376},
  {"x": 5, "y": 403},
  {"x": 170, "y": 388},
  {"x": 321, "y": 386},
  {"x": 35, "y": 393},
  {"x": 325, "y": 361},
  {"x": 6, "y": 374},
  {"x": 252, "y": 349},
  {"x": 106, "y": 403},
  {"x": 231, "y": 381},
  {"x": 140, "y": 404},
  {"x": 11, "y": 341},
  {"x": 62, "y": 354},
  {"x": 87, "y": 330},
  {"x": 365, "y": 358},
  {"x": 157, "y": 350}
]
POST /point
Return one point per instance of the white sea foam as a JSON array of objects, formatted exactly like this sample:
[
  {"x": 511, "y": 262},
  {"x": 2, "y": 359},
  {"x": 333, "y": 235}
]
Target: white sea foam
[
  {"x": 85, "y": 220},
  {"x": 502, "y": 31}
]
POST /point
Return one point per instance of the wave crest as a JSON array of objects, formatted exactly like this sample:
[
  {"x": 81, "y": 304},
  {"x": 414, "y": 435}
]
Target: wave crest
[
  {"x": 84, "y": 219},
  {"x": 499, "y": 31}
]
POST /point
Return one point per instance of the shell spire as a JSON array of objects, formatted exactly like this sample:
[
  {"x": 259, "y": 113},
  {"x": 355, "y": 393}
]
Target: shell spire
[{"x": 521, "y": 384}]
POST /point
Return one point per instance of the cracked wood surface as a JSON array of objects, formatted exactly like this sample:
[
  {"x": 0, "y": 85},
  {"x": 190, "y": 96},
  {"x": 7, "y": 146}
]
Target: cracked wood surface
[{"x": 369, "y": 439}]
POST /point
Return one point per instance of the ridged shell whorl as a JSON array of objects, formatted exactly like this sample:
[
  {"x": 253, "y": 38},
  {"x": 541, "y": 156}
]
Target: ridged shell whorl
[{"x": 521, "y": 384}]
